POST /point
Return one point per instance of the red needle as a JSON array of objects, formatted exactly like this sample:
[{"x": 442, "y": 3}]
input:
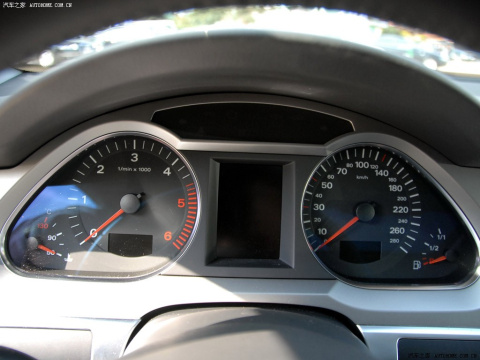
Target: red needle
[
  {"x": 44, "y": 248},
  {"x": 106, "y": 223},
  {"x": 342, "y": 229},
  {"x": 434, "y": 261}
]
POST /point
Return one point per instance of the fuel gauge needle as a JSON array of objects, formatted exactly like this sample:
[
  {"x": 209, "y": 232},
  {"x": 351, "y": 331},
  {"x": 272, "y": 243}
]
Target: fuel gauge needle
[
  {"x": 339, "y": 232},
  {"x": 105, "y": 224},
  {"x": 434, "y": 261}
]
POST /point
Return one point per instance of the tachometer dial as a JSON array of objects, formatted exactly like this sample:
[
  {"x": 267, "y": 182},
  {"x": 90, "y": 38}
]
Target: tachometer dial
[
  {"x": 125, "y": 206},
  {"x": 370, "y": 215}
]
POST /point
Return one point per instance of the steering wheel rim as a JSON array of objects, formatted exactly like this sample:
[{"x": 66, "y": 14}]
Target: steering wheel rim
[{"x": 29, "y": 30}]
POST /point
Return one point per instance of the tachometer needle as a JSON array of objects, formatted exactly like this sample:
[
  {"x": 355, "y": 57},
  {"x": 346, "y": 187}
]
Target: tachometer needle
[
  {"x": 434, "y": 261},
  {"x": 105, "y": 224},
  {"x": 339, "y": 232}
]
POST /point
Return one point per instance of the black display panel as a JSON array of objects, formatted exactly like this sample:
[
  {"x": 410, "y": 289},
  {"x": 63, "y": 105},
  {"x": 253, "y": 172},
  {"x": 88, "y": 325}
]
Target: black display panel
[
  {"x": 438, "y": 349},
  {"x": 259, "y": 122},
  {"x": 249, "y": 211},
  {"x": 130, "y": 245}
]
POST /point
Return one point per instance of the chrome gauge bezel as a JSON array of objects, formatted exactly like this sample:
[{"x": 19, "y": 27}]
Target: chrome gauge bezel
[
  {"x": 338, "y": 146},
  {"x": 124, "y": 128}
]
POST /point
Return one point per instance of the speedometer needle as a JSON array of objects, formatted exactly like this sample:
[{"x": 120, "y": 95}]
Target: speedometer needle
[
  {"x": 339, "y": 232},
  {"x": 101, "y": 227}
]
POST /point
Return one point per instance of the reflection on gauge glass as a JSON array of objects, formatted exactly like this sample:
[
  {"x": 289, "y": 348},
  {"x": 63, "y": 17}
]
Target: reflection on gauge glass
[
  {"x": 125, "y": 206},
  {"x": 370, "y": 215}
]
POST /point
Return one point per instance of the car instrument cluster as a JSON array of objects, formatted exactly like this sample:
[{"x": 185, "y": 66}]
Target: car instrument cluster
[{"x": 128, "y": 204}]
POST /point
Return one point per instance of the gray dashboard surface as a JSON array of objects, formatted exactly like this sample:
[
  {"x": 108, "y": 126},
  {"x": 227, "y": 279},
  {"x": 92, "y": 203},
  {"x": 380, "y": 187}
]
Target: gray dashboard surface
[{"x": 239, "y": 333}]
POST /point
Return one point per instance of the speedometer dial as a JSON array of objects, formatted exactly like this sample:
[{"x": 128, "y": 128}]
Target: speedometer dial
[
  {"x": 124, "y": 206},
  {"x": 370, "y": 215}
]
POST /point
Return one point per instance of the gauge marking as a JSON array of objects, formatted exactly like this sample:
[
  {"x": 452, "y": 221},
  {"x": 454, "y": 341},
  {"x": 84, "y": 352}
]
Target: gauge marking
[
  {"x": 186, "y": 176},
  {"x": 72, "y": 217},
  {"x": 416, "y": 210},
  {"x": 348, "y": 155},
  {"x": 73, "y": 199},
  {"x": 403, "y": 249},
  {"x": 412, "y": 188},
  {"x": 125, "y": 143},
  {"x": 88, "y": 167},
  {"x": 99, "y": 153},
  {"x": 398, "y": 173},
  {"x": 333, "y": 157},
  {"x": 394, "y": 166},
  {"x": 323, "y": 168},
  {"x": 78, "y": 182},
  {"x": 80, "y": 233},
  {"x": 411, "y": 238},
  {"x": 414, "y": 195},
  {"x": 134, "y": 144},
  {"x": 74, "y": 226},
  {"x": 363, "y": 153},
  {"x": 404, "y": 176},
  {"x": 116, "y": 146},
  {"x": 108, "y": 149},
  {"x": 174, "y": 162},
  {"x": 170, "y": 153},
  {"x": 80, "y": 172},
  {"x": 308, "y": 192},
  {"x": 383, "y": 158},
  {"x": 161, "y": 148},
  {"x": 376, "y": 156},
  {"x": 153, "y": 145},
  {"x": 183, "y": 167},
  {"x": 415, "y": 224},
  {"x": 389, "y": 161},
  {"x": 407, "y": 244}
]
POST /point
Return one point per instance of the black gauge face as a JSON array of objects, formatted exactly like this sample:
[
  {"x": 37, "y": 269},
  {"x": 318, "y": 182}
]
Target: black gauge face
[
  {"x": 127, "y": 205},
  {"x": 371, "y": 216}
]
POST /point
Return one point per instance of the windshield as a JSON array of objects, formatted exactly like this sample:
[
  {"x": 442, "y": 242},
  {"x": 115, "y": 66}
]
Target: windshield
[{"x": 432, "y": 51}]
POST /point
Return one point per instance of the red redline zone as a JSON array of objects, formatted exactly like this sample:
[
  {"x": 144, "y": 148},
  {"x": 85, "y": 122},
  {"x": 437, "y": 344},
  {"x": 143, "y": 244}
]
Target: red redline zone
[{"x": 185, "y": 233}]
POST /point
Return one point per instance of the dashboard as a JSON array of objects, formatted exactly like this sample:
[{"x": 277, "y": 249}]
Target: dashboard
[{"x": 279, "y": 192}]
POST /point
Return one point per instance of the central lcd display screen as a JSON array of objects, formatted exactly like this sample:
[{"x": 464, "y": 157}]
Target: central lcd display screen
[{"x": 249, "y": 211}]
